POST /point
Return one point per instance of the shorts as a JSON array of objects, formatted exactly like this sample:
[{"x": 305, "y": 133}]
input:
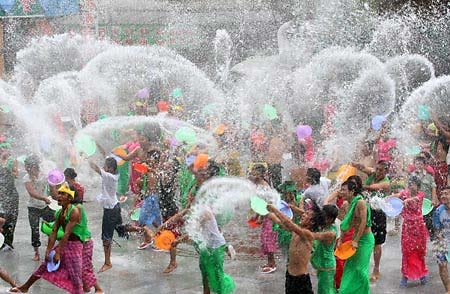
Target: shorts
[
  {"x": 379, "y": 226},
  {"x": 298, "y": 284},
  {"x": 150, "y": 212},
  {"x": 111, "y": 219},
  {"x": 441, "y": 250}
]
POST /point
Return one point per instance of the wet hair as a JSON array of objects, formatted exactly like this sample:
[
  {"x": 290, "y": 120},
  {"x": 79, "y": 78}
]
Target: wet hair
[
  {"x": 111, "y": 163},
  {"x": 150, "y": 131},
  {"x": 154, "y": 155},
  {"x": 32, "y": 161},
  {"x": 75, "y": 199},
  {"x": 414, "y": 180},
  {"x": 357, "y": 180},
  {"x": 260, "y": 168},
  {"x": 384, "y": 164},
  {"x": 421, "y": 159},
  {"x": 330, "y": 211},
  {"x": 318, "y": 218},
  {"x": 314, "y": 175},
  {"x": 352, "y": 187},
  {"x": 70, "y": 173}
]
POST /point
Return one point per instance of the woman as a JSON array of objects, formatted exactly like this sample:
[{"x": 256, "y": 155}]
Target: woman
[
  {"x": 414, "y": 234},
  {"x": 9, "y": 198}
]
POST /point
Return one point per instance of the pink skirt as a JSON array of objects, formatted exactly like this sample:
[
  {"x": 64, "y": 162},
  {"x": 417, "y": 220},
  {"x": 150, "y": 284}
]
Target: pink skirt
[{"x": 269, "y": 238}]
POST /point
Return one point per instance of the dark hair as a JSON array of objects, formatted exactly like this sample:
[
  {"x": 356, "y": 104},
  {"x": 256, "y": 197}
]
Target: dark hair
[
  {"x": 384, "y": 163},
  {"x": 330, "y": 211},
  {"x": 318, "y": 218},
  {"x": 154, "y": 154},
  {"x": 212, "y": 169},
  {"x": 421, "y": 159},
  {"x": 352, "y": 186},
  {"x": 414, "y": 180},
  {"x": 70, "y": 173},
  {"x": 75, "y": 199},
  {"x": 260, "y": 168},
  {"x": 314, "y": 175},
  {"x": 357, "y": 180},
  {"x": 32, "y": 161},
  {"x": 111, "y": 163}
]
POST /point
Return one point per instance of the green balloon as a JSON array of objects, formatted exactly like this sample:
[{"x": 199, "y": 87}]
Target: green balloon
[
  {"x": 270, "y": 112},
  {"x": 5, "y": 108},
  {"x": 177, "y": 93},
  {"x": 85, "y": 144},
  {"x": 135, "y": 215},
  {"x": 427, "y": 206},
  {"x": 259, "y": 205},
  {"x": 186, "y": 135},
  {"x": 224, "y": 217}
]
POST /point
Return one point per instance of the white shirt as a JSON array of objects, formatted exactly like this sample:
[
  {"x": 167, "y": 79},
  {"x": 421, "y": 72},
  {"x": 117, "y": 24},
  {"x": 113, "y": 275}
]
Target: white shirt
[
  {"x": 108, "y": 198},
  {"x": 40, "y": 185},
  {"x": 211, "y": 235}
]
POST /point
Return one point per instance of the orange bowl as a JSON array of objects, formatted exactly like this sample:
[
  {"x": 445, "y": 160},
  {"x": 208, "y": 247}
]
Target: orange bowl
[
  {"x": 164, "y": 239},
  {"x": 345, "y": 251},
  {"x": 140, "y": 168}
]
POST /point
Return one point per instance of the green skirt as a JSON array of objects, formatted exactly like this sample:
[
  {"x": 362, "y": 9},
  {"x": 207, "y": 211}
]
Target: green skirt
[
  {"x": 124, "y": 178},
  {"x": 355, "y": 279},
  {"x": 211, "y": 267},
  {"x": 325, "y": 282}
]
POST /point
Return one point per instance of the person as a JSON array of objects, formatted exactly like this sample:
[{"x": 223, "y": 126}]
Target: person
[
  {"x": 175, "y": 222},
  {"x": 414, "y": 234},
  {"x": 323, "y": 257},
  {"x": 71, "y": 175},
  {"x": 268, "y": 236},
  {"x": 441, "y": 222},
  {"x": 3, "y": 273},
  {"x": 312, "y": 221},
  {"x": 428, "y": 187},
  {"x": 150, "y": 211},
  {"x": 69, "y": 250},
  {"x": 36, "y": 186},
  {"x": 111, "y": 207},
  {"x": 211, "y": 251},
  {"x": 355, "y": 278},
  {"x": 440, "y": 148},
  {"x": 9, "y": 197},
  {"x": 378, "y": 184},
  {"x": 317, "y": 191}
]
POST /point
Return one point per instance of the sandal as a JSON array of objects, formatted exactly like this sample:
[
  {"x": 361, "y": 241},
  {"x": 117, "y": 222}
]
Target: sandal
[
  {"x": 144, "y": 245},
  {"x": 268, "y": 269}
]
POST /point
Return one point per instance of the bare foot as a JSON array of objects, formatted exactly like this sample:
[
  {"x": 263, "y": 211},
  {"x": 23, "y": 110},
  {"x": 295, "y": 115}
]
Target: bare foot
[
  {"x": 17, "y": 290},
  {"x": 36, "y": 257},
  {"x": 105, "y": 267},
  {"x": 170, "y": 268},
  {"x": 99, "y": 291}
]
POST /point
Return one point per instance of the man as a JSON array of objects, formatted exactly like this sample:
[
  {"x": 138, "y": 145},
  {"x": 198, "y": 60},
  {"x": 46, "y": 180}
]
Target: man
[
  {"x": 355, "y": 278},
  {"x": 377, "y": 184},
  {"x": 441, "y": 222},
  {"x": 312, "y": 220}
]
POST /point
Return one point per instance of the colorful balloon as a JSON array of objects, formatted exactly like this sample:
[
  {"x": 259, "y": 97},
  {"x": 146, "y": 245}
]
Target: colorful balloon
[
  {"x": 423, "y": 112},
  {"x": 186, "y": 135},
  {"x": 85, "y": 144},
  {"x": 270, "y": 112},
  {"x": 143, "y": 93},
  {"x": 177, "y": 93},
  {"x": 303, "y": 131},
  {"x": 377, "y": 122}
]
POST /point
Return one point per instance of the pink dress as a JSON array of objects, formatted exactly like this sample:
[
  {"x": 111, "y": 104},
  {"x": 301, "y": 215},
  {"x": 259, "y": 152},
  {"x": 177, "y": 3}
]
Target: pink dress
[
  {"x": 269, "y": 238},
  {"x": 414, "y": 238}
]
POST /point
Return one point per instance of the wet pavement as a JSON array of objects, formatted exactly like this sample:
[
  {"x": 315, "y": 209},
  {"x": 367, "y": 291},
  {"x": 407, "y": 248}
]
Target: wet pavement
[{"x": 136, "y": 271}]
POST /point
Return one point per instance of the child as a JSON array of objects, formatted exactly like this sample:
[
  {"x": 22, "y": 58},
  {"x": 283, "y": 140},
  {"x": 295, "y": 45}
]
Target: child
[
  {"x": 70, "y": 175},
  {"x": 36, "y": 186},
  {"x": 323, "y": 257},
  {"x": 111, "y": 208},
  {"x": 211, "y": 256},
  {"x": 3, "y": 274}
]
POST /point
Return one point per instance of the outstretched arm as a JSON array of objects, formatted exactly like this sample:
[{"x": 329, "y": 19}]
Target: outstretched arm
[
  {"x": 365, "y": 169},
  {"x": 289, "y": 225},
  {"x": 95, "y": 167}
]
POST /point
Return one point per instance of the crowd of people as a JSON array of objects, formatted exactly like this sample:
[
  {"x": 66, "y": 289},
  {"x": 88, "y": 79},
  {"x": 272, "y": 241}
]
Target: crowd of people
[{"x": 162, "y": 181}]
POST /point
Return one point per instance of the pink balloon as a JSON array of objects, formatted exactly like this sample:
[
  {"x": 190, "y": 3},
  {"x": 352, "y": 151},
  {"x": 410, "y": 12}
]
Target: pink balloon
[
  {"x": 143, "y": 93},
  {"x": 303, "y": 131}
]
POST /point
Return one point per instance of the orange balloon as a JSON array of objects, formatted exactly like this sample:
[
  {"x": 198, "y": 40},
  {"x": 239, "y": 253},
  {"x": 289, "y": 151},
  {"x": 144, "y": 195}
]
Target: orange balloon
[
  {"x": 163, "y": 106},
  {"x": 201, "y": 161},
  {"x": 345, "y": 251},
  {"x": 220, "y": 130},
  {"x": 252, "y": 223},
  {"x": 164, "y": 239},
  {"x": 140, "y": 168},
  {"x": 344, "y": 172}
]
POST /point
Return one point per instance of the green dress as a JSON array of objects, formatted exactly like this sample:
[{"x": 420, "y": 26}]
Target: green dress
[
  {"x": 355, "y": 279},
  {"x": 324, "y": 262}
]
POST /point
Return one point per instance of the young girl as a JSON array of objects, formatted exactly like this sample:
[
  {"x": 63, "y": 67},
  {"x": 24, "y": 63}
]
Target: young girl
[{"x": 414, "y": 234}]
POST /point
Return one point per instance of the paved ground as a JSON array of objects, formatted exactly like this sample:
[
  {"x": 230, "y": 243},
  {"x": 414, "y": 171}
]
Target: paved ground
[{"x": 137, "y": 271}]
